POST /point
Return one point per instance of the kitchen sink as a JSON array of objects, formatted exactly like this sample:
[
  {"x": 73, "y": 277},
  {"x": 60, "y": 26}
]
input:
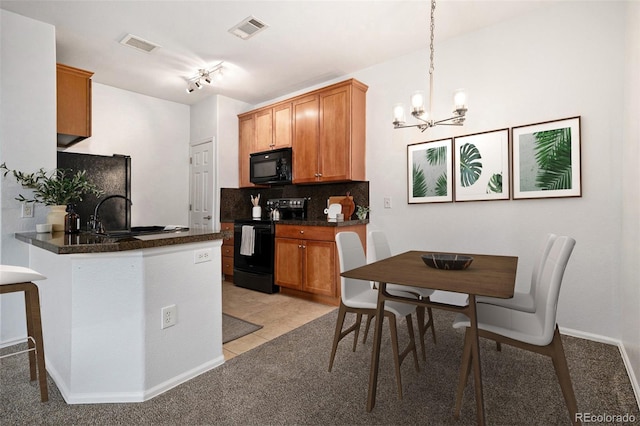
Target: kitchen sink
[{"x": 144, "y": 230}]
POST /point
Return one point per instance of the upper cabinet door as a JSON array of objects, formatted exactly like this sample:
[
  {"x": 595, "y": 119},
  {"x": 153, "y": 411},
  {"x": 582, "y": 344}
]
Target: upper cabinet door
[
  {"x": 335, "y": 141},
  {"x": 73, "y": 87},
  {"x": 282, "y": 126},
  {"x": 264, "y": 130},
  {"x": 247, "y": 137},
  {"x": 305, "y": 139}
]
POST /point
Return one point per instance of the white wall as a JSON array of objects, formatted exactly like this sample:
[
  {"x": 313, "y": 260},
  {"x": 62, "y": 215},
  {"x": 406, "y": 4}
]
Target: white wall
[
  {"x": 217, "y": 117},
  {"x": 27, "y": 138},
  {"x": 547, "y": 65},
  {"x": 228, "y": 110},
  {"x": 155, "y": 133},
  {"x": 630, "y": 247}
]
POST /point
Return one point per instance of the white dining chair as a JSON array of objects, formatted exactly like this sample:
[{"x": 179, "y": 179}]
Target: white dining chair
[
  {"x": 378, "y": 249},
  {"x": 359, "y": 298},
  {"x": 535, "y": 331},
  {"x": 525, "y": 301}
]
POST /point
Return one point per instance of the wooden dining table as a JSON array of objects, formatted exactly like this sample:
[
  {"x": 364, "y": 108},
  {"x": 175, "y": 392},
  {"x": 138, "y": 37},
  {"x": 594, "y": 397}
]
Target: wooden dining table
[{"x": 488, "y": 275}]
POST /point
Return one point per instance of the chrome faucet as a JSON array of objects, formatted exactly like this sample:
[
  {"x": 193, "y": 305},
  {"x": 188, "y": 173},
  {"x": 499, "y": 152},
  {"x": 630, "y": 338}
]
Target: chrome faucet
[{"x": 95, "y": 224}]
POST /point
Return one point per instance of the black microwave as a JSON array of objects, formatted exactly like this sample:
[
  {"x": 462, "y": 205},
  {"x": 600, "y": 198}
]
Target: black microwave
[{"x": 271, "y": 167}]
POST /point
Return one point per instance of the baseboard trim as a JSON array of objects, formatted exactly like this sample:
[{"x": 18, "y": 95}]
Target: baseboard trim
[
  {"x": 185, "y": 377},
  {"x": 128, "y": 397},
  {"x": 635, "y": 384}
]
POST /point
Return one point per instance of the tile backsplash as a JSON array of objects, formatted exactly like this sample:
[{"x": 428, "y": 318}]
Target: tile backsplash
[{"x": 235, "y": 203}]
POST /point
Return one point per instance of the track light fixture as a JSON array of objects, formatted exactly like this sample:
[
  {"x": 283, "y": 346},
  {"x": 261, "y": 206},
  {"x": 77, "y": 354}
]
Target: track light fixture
[
  {"x": 418, "y": 99},
  {"x": 204, "y": 76}
]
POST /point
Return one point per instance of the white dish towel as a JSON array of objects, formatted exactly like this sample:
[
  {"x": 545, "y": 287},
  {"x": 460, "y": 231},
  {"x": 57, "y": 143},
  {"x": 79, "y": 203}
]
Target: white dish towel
[{"x": 248, "y": 240}]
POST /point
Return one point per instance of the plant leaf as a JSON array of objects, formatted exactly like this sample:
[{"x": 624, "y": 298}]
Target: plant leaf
[
  {"x": 441, "y": 185},
  {"x": 437, "y": 156},
  {"x": 470, "y": 166},
  {"x": 495, "y": 184},
  {"x": 553, "y": 156},
  {"x": 419, "y": 182}
]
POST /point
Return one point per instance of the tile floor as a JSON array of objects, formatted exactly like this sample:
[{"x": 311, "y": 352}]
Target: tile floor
[{"x": 277, "y": 313}]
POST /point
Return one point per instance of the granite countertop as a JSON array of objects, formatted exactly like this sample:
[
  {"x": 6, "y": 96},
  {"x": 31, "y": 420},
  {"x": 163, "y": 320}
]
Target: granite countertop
[
  {"x": 310, "y": 222},
  {"x": 84, "y": 242}
]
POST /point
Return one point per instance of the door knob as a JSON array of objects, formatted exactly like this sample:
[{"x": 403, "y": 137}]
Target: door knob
[{"x": 207, "y": 217}]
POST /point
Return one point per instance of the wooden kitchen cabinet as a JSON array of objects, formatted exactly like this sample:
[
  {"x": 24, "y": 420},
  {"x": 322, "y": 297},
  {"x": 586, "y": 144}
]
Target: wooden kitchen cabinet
[
  {"x": 306, "y": 261},
  {"x": 73, "y": 99},
  {"x": 326, "y": 129},
  {"x": 263, "y": 130},
  {"x": 273, "y": 128},
  {"x": 247, "y": 135},
  {"x": 227, "y": 252},
  {"x": 340, "y": 146},
  {"x": 306, "y": 137}
]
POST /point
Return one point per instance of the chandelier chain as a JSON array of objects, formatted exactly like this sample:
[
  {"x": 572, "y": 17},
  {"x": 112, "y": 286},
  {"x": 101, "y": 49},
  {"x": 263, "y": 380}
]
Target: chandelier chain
[
  {"x": 425, "y": 117},
  {"x": 432, "y": 28}
]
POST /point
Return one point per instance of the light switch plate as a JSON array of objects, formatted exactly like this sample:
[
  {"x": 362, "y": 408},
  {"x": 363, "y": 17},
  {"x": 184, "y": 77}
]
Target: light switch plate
[{"x": 27, "y": 209}]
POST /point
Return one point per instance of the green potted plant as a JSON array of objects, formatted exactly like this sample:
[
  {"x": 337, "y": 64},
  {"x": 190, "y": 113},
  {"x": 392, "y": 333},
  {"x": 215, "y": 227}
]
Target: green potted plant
[
  {"x": 361, "y": 212},
  {"x": 56, "y": 189}
]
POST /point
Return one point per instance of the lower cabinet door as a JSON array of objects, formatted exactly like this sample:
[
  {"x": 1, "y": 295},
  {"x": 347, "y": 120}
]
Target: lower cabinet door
[
  {"x": 288, "y": 263},
  {"x": 320, "y": 267}
]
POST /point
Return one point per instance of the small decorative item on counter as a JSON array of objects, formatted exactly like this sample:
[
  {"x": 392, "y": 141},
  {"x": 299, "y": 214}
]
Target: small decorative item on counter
[
  {"x": 361, "y": 212},
  {"x": 43, "y": 228},
  {"x": 348, "y": 206},
  {"x": 71, "y": 221},
  {"x": 256, "y": 210}
]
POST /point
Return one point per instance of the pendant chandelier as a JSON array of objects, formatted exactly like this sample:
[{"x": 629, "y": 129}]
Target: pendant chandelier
[{"x": 417, "y": 99}]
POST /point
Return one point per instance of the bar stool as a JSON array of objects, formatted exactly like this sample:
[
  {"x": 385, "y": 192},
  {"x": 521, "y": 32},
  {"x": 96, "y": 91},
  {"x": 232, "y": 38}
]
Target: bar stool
[{"x": 18, "y": 278}]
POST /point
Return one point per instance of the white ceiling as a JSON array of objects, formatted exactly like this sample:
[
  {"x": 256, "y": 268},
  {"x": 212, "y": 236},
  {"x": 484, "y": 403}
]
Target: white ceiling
[{"x": 307, "y": 42}]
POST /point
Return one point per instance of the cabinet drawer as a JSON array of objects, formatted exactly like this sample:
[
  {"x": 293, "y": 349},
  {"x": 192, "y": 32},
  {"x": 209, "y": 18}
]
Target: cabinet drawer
[
  {"x": 227, "y": 265},
  {"x": 321, "y": 233},
  {"x": 227, "y": 250}
]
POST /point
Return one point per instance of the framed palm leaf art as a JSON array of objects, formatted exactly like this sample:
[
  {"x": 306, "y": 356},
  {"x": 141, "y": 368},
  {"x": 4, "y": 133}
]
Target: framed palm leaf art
[
  {"x": 481, "y": 166},
  {"x": 429, "y": 167},
  {"x": 546, "y": 159}
]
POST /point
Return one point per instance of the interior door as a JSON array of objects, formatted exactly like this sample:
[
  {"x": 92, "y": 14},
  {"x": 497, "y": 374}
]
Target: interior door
[{"x": 202, "y": 186}]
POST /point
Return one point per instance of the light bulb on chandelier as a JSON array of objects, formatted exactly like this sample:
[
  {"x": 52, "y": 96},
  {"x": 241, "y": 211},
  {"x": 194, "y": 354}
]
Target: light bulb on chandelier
[{"x": 418, "y": 99}]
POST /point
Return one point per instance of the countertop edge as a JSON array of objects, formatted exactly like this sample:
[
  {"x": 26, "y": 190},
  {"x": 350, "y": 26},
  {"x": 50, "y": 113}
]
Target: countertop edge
[
  {"x": 308, "y": 222},
  {"x": 56, "y": 243}
]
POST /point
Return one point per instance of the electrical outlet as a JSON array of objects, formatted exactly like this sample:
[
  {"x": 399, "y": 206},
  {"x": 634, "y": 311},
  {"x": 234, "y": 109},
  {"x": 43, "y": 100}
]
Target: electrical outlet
[
  {"x": 387, "y": 202},
  {"x": 27, "y": 209},
  {"x": 203, "y": 255},
  {"x": 169, "y": 316}
]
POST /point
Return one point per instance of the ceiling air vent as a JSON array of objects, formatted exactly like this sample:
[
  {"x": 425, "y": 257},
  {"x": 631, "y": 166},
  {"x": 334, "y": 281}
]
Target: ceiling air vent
[
  {"x": 248, "y": 28},
  {"x": 139, "y": 43}
]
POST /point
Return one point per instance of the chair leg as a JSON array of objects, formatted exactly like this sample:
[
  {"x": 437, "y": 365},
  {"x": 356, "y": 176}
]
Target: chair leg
[
  {"x": 370, "y": 317},
  {"x": 30, "y": 336},
  {"x": 357, "y": 331},
  {"x": 337, "y": 335},
  {"x": 562, "y": 371},
  {"x": 37, "y": 336},
  {"x": 412, "y": 342},
  {"x": 465, "y": 370},
  {"x": 421, "y": 330},
  {"x": 430, "y": 323},
  {"x": 394, "y": 346}
]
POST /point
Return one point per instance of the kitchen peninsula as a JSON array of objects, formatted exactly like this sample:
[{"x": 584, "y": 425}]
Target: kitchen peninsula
[{"x": 104, "y": 313}]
